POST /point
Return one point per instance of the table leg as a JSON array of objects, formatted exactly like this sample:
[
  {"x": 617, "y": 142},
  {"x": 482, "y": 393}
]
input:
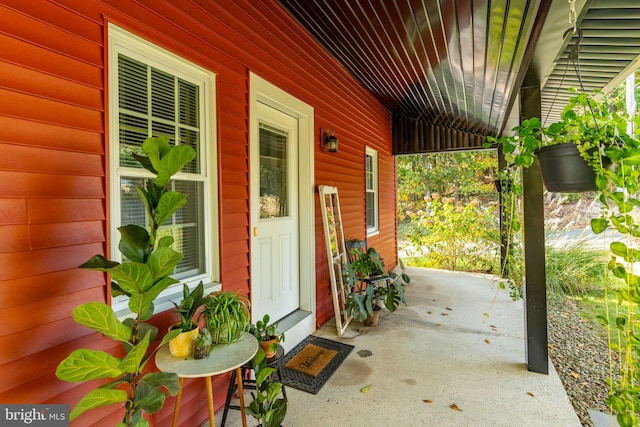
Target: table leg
[
  {"x": 240, "y": 380},
  {"x": 174, "y": 423},
  {"x": 210, "y": 401}
]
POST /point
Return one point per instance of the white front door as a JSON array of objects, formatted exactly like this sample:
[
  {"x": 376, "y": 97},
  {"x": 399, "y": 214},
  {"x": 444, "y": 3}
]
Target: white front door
[{"x": 274, "y": 214}]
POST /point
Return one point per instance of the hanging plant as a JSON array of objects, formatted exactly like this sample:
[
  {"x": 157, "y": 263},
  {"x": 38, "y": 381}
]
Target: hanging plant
[{"x": 600, "y": 135}]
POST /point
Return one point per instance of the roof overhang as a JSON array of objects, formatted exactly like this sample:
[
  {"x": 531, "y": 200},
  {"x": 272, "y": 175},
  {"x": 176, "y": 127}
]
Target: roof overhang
[{"x": 450, "y": 71}]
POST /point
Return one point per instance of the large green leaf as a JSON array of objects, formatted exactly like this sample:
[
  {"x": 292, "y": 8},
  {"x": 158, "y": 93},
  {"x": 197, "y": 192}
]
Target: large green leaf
[
  {"x": 101, "y": 318},
  {"x": 169, "y": 336},
  {"x": 142, "y": 330},
  {"x": 631, "y": 158},
  {"x": 165, "y": 241},
  {"x": 137, "y": 420},
  {"x": 168, "y": 204},
  {"x": 148, "y": 398},
  {"x": 148, "y": 203},
  {"x": 168, "y": 380},
  {"x": 86, "y": 364},
  {"x": 598, "y": 225},
  {"x": 162, "y": 284},
  {"x": 145, "y": 162},
  {"x": 98, "y": 262},
  {"x": 619, "y": 249},
  {"x": 134, "y": 242},
  {"x": 156, "y": 148},
  {"x": 162, "y": 261},
  {"x": 173, "y": 162},
  {"x": 141, "y": 304},
  {"x": 132, "y": 276},
  {"x": 96, "y": 398},
  {"x": 132, "y": 362}
]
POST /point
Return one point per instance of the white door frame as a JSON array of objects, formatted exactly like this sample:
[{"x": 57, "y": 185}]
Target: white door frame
[{"x": 264, "y": 92}]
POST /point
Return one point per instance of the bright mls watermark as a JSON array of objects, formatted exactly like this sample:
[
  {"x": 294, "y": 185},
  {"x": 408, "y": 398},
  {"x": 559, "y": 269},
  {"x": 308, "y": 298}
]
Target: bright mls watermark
[{"x": 34, "y": 415}]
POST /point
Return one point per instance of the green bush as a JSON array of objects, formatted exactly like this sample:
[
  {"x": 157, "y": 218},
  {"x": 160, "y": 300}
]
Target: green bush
[{"x": 456, "y": 236}]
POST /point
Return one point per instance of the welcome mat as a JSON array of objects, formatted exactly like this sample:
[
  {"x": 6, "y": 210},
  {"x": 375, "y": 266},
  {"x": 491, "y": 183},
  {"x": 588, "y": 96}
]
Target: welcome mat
[{"x": 312, "y": 362}]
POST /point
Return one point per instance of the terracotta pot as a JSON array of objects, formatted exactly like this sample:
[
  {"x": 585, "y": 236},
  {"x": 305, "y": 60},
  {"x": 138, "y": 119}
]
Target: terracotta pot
[
  {"x": 373, "y": 320},
  {"x": 265, "y": 347},
  {"x": 182, "y": 345}
]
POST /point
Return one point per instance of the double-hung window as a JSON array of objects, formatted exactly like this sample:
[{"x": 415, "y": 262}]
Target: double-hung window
[
  {"x": 155, "y": 93},
  {"x": 371, "y": 178}
]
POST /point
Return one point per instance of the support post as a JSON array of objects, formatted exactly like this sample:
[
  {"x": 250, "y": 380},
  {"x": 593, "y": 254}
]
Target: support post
[{"x": 535, "y": 288}]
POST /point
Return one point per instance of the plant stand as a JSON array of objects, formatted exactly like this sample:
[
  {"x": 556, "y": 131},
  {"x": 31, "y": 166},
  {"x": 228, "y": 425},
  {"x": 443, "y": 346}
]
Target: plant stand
[
  {"x": 250, "y": 384},
  {"x": 224, "y": 358}
]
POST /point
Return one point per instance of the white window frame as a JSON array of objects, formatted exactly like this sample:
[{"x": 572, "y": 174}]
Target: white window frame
[
  {"x": 123, "y": 42},
  {"x": 375, "y": 228}
]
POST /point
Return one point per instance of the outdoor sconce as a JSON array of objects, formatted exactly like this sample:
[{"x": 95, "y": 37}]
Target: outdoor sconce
[{"x": 329, "y": 140}]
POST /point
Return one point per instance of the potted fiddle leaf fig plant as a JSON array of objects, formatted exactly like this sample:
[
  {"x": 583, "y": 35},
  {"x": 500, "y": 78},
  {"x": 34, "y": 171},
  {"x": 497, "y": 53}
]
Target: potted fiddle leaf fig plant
[
  {"x": 183, "y": 344},
  {"x": 149, "y": 262}
]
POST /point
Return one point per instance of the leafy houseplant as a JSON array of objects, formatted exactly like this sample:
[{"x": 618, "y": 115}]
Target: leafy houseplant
[
  {"x": 368, "y": 285},
  {"x": 191, "y": 302},
  {"x": 368, "y": 263},
  {"x": 267, "y": 335},
  {"x": 226, "y": 316},
  {"x": 183, "y": 344},
  {"x": 600, "y": 135},
  {"x": 144, "y": 274},
  {"x": 267, "y": 406}
]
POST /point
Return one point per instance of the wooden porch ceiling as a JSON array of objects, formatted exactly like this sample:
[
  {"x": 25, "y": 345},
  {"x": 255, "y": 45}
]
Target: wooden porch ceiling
[{"x": 450, "y": 70}]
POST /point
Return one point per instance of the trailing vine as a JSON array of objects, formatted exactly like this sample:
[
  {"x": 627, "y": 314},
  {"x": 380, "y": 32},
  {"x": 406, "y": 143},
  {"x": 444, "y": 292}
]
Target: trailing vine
[{"x": 601, "y": 136}]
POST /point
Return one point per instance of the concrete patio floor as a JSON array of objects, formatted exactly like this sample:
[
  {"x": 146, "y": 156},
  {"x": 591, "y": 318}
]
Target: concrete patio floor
[{"x": 437, "y": 352}]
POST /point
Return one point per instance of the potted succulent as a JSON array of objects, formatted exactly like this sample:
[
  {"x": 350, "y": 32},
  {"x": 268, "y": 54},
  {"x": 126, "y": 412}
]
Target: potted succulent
[
  {"x": 226, "y": 316},
  {"x": 183, "y": 344},
  {"x": 267, "y": 335},
  {"x": 268, "y": 405},
  {"x": 202, "y": 344},
  {"x": 146, "y": 272}
]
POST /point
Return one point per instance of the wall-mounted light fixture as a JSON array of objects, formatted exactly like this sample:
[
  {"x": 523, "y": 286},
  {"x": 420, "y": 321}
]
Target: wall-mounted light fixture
[{"x": 329, "y": 140}]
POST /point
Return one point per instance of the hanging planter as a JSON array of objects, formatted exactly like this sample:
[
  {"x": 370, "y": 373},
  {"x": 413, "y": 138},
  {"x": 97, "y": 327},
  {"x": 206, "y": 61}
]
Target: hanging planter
[{"x": 564, "y": 170}]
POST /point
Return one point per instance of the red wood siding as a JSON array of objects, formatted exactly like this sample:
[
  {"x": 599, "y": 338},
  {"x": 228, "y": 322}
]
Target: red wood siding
[{"x": 53, "y": 173}]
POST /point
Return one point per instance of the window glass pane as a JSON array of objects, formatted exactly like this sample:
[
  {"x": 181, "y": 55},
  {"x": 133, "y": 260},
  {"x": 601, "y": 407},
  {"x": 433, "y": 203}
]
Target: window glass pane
[
  {"x": 131, "y": 209},
  {"x": 132, "y": 85},
  {"x": 164, "y": 129},
  {"x": 133, "y": 132},
  {"x": 371, "y": 216},
  {"x": 188, "y": 96},
  {"x": 191, "y": 138},
  {"x": 369, "y": 172},
  {"x": 274, "y": 192},
  {"x": 163, "y": 95}
]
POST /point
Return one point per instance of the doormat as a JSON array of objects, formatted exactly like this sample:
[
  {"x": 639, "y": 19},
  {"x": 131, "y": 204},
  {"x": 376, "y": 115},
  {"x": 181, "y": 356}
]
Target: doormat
[{"x": 311, "y": 363}]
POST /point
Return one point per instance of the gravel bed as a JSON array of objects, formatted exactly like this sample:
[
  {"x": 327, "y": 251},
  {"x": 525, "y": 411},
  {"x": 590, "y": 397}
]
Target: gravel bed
[{"x": 580, "y": 356}]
